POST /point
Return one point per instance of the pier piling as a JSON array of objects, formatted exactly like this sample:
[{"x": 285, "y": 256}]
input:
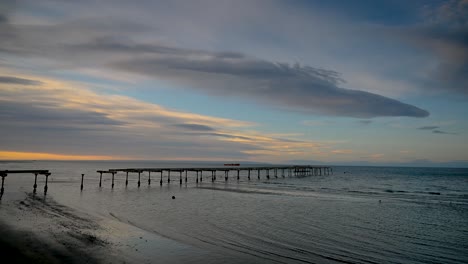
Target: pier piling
[
  {"x": 82, "y": 179},
  {"x": 35, "y": 183},
  {"x": 139, "y": 174}
]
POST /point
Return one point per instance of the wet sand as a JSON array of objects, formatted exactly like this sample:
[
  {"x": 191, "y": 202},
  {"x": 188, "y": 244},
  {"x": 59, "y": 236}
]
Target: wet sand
[{"x": 37, "y": 229}]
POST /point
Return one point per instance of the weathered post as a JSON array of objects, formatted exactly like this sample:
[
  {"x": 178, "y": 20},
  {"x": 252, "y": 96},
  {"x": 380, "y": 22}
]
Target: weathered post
[
  {"x": 35, "y": 183},
  {"x": 180, "y": 177},
  {"x": 258, "y": 174},
  {"x": 197, "y": 176},
  {"x": 276, "y": 173},
  {"x": 168, "y": 176},
  {"x": 238, "y": 177},
  {"x": 2, "y": 190},
  {"x": 226, "y": 175},
  {"x": 185, "y": 175},
  {"x": 126, "y": 179},
  {"x": 139, "y": 174},
  {"x": 248, "y": 176},
  {"x": 46, "y": 181},
  {"x": 82, "y": 178},
  {"x": 149, "y": 177},
  {"x": 268, "y": 173},
  {"x": 100, "y": 179},
  {"x": 160, "y": 182},
  {"x": 201, "y": 176},
  {"x": 113, "y": 173}
]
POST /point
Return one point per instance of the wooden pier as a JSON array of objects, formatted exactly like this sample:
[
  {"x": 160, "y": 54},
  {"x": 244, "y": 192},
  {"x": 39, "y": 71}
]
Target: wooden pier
[
  {"x": 4, "y": 174},
  {"x": 183, "y": 173}
]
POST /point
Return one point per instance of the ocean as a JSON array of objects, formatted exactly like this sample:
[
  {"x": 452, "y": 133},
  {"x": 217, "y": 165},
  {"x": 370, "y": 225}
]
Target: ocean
[{"x": 355, "y": 215}]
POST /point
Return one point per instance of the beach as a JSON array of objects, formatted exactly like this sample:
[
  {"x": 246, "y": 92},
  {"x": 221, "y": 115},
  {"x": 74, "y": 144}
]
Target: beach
[{"x": 340, "y": 218}]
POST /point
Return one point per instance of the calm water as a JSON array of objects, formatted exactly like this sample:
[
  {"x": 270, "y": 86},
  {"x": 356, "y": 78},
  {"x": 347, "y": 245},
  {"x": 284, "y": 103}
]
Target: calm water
[{"x": 356, "y": 215}]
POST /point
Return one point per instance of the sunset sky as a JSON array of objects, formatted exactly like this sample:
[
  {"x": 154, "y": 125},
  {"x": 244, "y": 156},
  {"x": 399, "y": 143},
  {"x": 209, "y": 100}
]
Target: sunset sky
[{"x": 340, "y": 82}]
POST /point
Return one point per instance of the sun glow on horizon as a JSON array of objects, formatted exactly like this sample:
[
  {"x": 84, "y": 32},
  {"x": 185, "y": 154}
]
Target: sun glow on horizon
[{"x": 15, "y": 155}]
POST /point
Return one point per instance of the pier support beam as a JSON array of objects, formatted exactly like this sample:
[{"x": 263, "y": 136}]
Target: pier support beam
[
  {"x": 100, "y": 179},
  {"x": 113, "y": 173},
  {"x": 238, "y": 172},
  {"x": 139, "y": 176},
  {"x": 46, "y": 181},
  {"x": 180, "y": 177},
  {"x": 35, "y": 183},
  {"x": 149, "y": 177},
  {"x": 82, "y": 179},
  {"x": 186, "y": 176},
  {"x": 168, "y": 176},
  {"x": 197, "y": 176},
  {"x": 2, "y": 190},
  {"x": 126, "y": 179},
  {"x": 160, "y": 181},
  {"x": 248, "y": 175},
  {"x": 258, "y": 174}
]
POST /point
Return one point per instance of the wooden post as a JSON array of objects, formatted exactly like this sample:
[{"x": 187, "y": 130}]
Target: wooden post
[
  {"x": 149, "y": 177},
  {"x": 46, "y": 181},
  {"x": 226, "y": 175},
  {"x": 126, "y": 179},
  {"x": 185, "y": 175},
  {"x": 180, "y": 176},
  {"x": 248, "y": 176},
  {"x": 238, "y": 175},
  {"x": 82, "y": 178},
  {"x": 258, "y": 174},
  {"x": 35, "y": 183},
  {"x": 168, "y": 176},
  {"x": 100, "y": 179},
  {"x": 276, "y": 173},
  {"x": 2, "y": 190},
  {"x": 213, "y": 176},
  {"x": 268, "y": 173},
  {"x": 197, "y": 176},
  {"x": 139, "y": 174},
  {"x": 160, "y": 182},
  {"x": 201, "y": 175},
  {"x": 113, "y": 173}
]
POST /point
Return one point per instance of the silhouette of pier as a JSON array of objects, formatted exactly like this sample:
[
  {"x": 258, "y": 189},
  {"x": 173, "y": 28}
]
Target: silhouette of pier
[
  {"x": 164, "y": 174},
  {"x": 4, "y": 174}
]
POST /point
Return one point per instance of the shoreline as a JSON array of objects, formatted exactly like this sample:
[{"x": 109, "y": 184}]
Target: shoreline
[{"x": 40, "y": 230}]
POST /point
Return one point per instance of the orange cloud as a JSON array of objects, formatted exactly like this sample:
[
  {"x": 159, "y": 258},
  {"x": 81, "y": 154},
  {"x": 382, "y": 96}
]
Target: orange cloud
[{"x": 14, "y": 155}]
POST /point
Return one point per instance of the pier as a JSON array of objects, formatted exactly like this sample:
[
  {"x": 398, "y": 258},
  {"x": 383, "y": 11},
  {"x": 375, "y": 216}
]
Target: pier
[
  {"x": 4, "y": 174},
  {"x": 164, "y": 174}
]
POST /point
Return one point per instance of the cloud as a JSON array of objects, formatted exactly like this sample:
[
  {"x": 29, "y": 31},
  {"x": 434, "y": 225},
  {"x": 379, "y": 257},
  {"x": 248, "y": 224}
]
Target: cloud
[
  {"x": 62, "y": 120},
  {"x": 293, "y": 87},
  {"x": 15, "y": 80},
  {"x": 444, "y": 33},
  {"x": 365, "y": 122},
  {"x": 442, "y": 132},
  {"x": 113, "y": 45},
  {"x": 428, "y": 127},
  {"x": 194, "y": 127},
  {"x": 342, "y": 151}
]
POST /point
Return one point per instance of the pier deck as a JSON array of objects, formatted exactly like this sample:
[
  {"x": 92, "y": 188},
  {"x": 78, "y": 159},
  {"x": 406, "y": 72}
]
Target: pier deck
[
  {"x": 294, "y": 170},
  {"x": 4, "y": 174}
]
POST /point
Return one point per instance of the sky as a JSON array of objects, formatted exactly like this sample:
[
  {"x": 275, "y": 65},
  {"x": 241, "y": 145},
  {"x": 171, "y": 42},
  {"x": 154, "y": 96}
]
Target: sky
[{"x": 326, "y": 82}]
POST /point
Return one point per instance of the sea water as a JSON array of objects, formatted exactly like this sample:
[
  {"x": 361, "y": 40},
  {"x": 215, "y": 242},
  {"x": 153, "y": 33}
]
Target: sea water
[{"x": 355, "y": 215}]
